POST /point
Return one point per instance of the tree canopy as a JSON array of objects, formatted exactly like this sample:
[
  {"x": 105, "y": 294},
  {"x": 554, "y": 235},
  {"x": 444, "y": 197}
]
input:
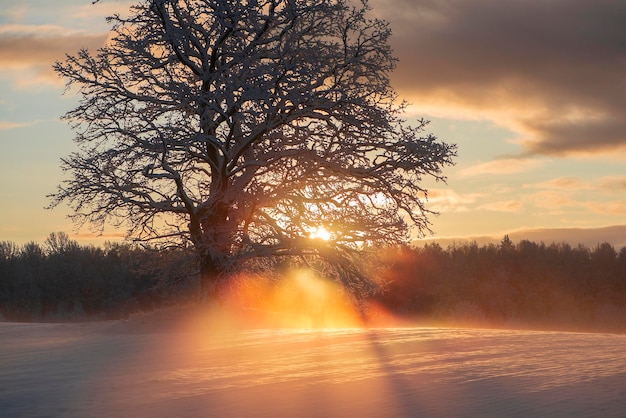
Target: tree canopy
[{"x": 239, "y": 128}]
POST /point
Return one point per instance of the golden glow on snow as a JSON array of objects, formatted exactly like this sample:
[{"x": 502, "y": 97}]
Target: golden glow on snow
[{"x": 301, "y": 300}]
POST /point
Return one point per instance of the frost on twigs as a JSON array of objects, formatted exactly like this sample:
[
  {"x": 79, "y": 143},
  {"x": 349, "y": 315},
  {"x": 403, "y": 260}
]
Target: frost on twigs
[{"x": 238, "y": 127}]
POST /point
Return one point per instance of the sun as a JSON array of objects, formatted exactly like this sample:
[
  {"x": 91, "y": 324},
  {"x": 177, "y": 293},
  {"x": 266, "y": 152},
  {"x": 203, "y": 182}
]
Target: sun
[{"x": 320, "y": 233}]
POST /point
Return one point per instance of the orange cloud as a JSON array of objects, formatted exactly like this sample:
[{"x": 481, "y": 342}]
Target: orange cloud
[
  {"x": 551, "y": 199},
  {"x": 27, "y": 53},
  {"x": 12, "y": 125},
  {"x": 107, "y": 8},
  {"x": 562, "y": 183},
  {"x": 444, "y": 200},
  {"x": 613, "y": 184},
  {"x": 503, "y": 206},
  {"x": 557, "y": 200},
  {"x": 607, "y": 208},
  {"x": 501, "y": 166}
]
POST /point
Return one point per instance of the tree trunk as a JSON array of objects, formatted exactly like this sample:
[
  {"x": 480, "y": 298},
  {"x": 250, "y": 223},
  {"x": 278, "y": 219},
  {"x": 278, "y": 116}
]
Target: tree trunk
[
  {"x": 210, "y": 274},
  {"x": 204, "y": 237}
]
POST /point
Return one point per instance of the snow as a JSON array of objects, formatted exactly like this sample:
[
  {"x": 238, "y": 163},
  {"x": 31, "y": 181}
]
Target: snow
[{"x": 152, "y": 367}]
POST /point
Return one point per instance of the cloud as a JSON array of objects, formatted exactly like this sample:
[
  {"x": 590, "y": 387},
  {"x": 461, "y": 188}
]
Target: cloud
[
  {"x": 20, "y": 51},
  {"x": 502, "y": 206},
  {"x": 561, "y": 193},
  {"x": 557, "y": 201},
  {"x": 613, "y": 208},
  {"x": 562, "y": 183},
  {"x": 444, "y": 200},
  {"x": 586, "y": 136},
  {"x": 553, "y": 70},
  {"x": 613, "y": 184},
  {"x": 450, "y": 201},
  {"x": 107, "y": 8},
  {"x": 27, "y": 53},
  {"x": 553, "y": 200},
  {"x": 4, "y": 125},
  {"x": 501, "y": 166}
]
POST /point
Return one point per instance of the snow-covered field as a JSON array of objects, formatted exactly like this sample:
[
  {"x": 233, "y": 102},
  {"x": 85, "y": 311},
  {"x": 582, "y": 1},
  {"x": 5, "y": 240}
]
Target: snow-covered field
[{"x": 142, "y": 368}]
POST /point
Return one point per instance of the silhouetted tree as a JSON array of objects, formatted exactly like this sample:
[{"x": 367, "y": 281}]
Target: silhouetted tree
[
  {"x": 242, "y": 126},
  {"x": 506, "y": 244},
  {"x": 59, "y": 243}
]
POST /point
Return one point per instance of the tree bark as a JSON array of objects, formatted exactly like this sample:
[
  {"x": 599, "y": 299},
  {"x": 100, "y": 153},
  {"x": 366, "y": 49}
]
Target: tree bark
[
  {"x": 210, "y": 274},
  {"x": 211, "y": 255}
]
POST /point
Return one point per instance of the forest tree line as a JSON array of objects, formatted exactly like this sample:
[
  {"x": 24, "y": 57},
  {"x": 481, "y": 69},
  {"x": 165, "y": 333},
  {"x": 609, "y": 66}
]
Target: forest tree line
[
  {"x": 62, "y": 280},
  {"x": 523, "y": 284},
  {"x": 526, "y": 284}
]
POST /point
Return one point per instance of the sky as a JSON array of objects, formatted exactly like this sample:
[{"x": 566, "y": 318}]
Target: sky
[{"x": 533, "y": 92}]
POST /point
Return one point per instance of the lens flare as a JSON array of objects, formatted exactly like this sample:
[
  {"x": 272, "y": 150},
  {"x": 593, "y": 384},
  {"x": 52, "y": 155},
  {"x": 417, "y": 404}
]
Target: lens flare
[{"x": 301, "y": 300}]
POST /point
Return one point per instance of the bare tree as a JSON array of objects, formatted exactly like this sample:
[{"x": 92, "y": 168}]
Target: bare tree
[
  {"x": 59, "y": 243},
  {"x": 239, "y": 127}
]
